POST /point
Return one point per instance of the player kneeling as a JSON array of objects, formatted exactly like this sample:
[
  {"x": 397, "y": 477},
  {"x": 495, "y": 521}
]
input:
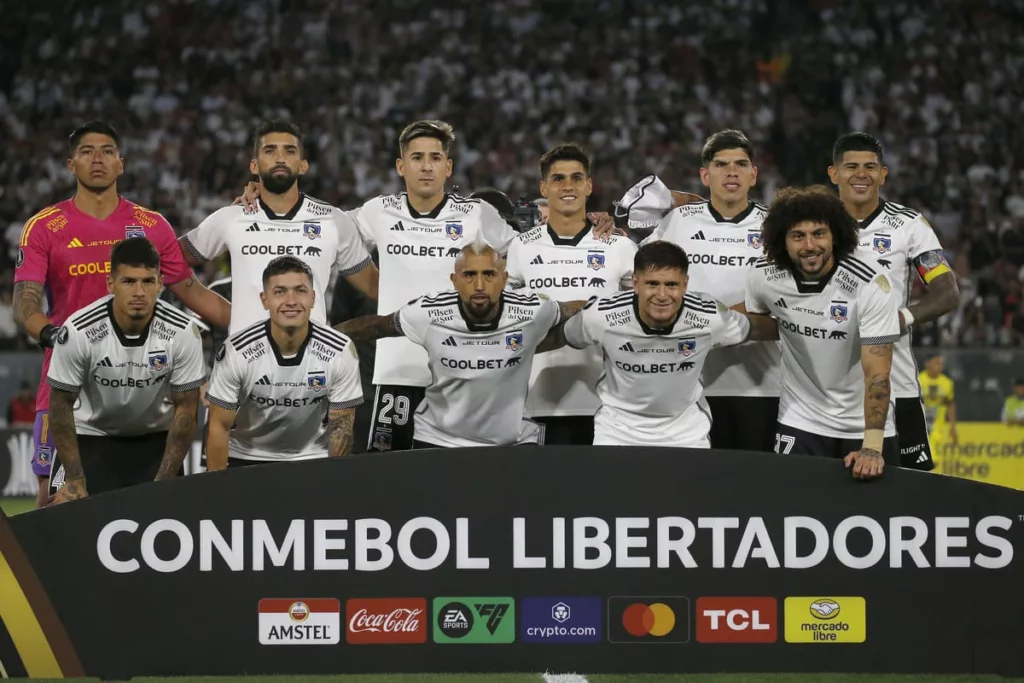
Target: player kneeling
[
  {"x": 287, "y": 385},
  {"x": 655, "y": 340},
  {"x": 134, "y": 365}
]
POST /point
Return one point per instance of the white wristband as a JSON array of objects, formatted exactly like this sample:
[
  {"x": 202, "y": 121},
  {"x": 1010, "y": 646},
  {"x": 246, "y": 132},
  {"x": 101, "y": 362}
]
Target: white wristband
[{"x": 908, "y": 317}]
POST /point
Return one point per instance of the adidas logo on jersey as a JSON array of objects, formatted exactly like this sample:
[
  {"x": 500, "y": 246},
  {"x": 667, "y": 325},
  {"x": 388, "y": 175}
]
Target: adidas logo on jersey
[
  {"x": 264, "y": 381},
  {"x": 105, "y": 363},
  {"x": 253, "y": 228},
  {"x": 699, "y": 235},
  {"x": 75, "y": 242},
  {"x": 398, "y": 226},
  {"x": 537, "y": 261},
  {"x": 627, "y": 347},
  {"x": 450, "y": 341},
  {"x": 781, "y": 303}
]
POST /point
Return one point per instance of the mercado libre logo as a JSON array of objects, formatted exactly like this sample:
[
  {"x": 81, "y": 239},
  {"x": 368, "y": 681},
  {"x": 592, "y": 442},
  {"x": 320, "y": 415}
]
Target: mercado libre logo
[{"x": 649, "y": 619}]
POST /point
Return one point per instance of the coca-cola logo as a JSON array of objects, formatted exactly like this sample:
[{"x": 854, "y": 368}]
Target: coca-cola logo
[
  {"x": 403, "y": 619},
  {"x": 386, "y": 620}
]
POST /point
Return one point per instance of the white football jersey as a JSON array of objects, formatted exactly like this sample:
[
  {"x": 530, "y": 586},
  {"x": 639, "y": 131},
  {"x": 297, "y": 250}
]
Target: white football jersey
[
  {"x": 650, "y": 390},
  {"x": 895, "y": 236},
  {"x": 823, "y": 327},
  {"x": 721, "y": 251},
  {"x": 124, "y": 384},
  {"x": 323, "y": 236},
  {"x": 416, "y": 253},
  {"x": 563, "y": 381},
  {"x": 282, "y": 403},
  {"x": 481, "y": 372}
]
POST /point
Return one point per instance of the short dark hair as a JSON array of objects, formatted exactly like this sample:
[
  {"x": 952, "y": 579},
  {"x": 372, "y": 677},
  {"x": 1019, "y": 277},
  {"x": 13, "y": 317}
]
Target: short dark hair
[
  {"x": 794, "y": 205},
  {"x": 101, "y": 127},
  {"x": 856, "y": 142},
  {"x": 1018, "y": 382},
  {"x": 660, "y": 254},
  {"x": 135, "y": 252},
  {"x": 427, "y": 128},
  {"x": 274, "y": 126},
  {"x": 285, "y": 264},
  {"x": 725, "y": 139},
  {"x": 567, "y": 151}
]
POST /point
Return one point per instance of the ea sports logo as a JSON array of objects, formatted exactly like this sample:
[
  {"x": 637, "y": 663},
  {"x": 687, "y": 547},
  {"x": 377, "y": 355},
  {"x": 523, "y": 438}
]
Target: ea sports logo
[
  {"x": 455, "y": 620},
  {"x": 656, "y": 619},
  {"x": 298, "y": 611},
  {"x": 825, "y": 608}
]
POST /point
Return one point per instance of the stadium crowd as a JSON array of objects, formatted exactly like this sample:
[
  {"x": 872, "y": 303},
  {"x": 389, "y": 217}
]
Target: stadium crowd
[{"x": 642, "y": 84}]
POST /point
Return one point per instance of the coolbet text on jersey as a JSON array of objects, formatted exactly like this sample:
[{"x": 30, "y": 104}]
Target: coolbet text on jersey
[
  {"x": 823, "y": 326},
  {"x": 416, "y": 253},
  {"x": 124, "y": 383},
  {"x": 721, "y": 251},
  {"x": 282, "y": 403},
  {"x": 68, "y": 252},
  {"x": 318, "y": 233},
  {"x": 481, "y": 372},
  {"x": 563, "y": 381},
  {"x": 650, "y": 390}
]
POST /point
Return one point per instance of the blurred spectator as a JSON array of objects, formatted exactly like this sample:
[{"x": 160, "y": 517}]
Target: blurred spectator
[
  {"x": 642, "y": 83},
  {"x": 1013, "y": 407},
  {"x": 21, "y": 411},
  {"x": 8, "y": 330}
]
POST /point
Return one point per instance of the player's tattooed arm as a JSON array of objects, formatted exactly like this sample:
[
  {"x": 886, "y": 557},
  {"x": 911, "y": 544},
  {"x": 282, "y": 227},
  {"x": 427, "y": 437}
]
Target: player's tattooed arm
[
  {"x": 65, "y": 441},
  {"x": 339, "y": 432},
  {"x": 28, "y": 308},
  {"x": 876, "y": 360},
  {"x": 943, "y": 293},
  {"x": 219, "y": 421},
  {"x": 555, "y": 338},
  {"x": 371, "y": 327},
  {"x": 182, "y": 433}
]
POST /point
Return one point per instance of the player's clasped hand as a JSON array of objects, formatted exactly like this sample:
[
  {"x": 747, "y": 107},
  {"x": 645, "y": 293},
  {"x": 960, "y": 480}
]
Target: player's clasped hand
[
  {"x": 71, "y": 490},
  {"x": 249, "y": 197},
  {"x": 867, "y": 463}
]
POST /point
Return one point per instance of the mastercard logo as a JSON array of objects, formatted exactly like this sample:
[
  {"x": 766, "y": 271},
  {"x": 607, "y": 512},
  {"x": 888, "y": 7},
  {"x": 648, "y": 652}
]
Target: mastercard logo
[{"x": 656, "y": 619}]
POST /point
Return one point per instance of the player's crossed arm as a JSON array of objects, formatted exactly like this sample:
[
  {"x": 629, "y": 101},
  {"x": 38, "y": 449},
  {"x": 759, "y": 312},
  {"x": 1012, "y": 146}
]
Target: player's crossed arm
[
  {"x": 340, "y": 423},
  {"x": 555, "y": 338},
  {"x": 184, "y": 424},
  {"x": 371, "y": 327},
  {"x": 763, "y": 327}
]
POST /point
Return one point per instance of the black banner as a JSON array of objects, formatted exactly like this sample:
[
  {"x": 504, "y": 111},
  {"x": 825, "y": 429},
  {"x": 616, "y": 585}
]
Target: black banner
[{"x": 538, "y": 559}]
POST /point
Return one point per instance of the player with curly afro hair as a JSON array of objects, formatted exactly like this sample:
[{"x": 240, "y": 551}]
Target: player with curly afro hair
[{"x": 807, "y": 231}]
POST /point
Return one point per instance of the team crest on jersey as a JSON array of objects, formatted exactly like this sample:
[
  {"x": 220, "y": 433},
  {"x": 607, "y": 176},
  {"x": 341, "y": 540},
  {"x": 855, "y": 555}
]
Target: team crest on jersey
[
  {"x": 311, "y": 230},
  {"x": 382, "y": 440},
  {"x": 21, "y": 258},
  {"x": 131, "y": 231},
  {"x": 514, "y": 341},
  {"x": 44, "y": 455},
  {"x": 754, "y": 239},
  {"x": 839, "y": 311},
  {"x": 157, "y": 360},
  {"x": 453, "y": 230},
  {"x": 316, "y": 380},
  {"x": 882, "y": 244},
  {"x": 687, "y": 346},
  {"x": 595, "y": 260}
]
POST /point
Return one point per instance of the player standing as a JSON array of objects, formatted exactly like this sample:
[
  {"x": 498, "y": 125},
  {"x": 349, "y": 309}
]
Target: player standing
[
  {"x": 480, "y": 341},
  {"x": 655, "y": 340},
  {"x": 566, "y": 261},
  {"x": 722, "y": 238},
  {"x": 135, "y": 364},
  {"x": 276, "y": 381},
  {"x": 64, "y": 257},
  {"x": 901, "y": 240},
  {"x": 287, "y": 223},
  {"x": 837, "y": 322},
  {"x": 937, "y": 396}
]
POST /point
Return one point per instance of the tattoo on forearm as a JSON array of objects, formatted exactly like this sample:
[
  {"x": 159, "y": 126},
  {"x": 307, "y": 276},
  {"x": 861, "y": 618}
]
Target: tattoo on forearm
[
  {"x": 370, "y": 328},
  {"x": 880, "y": 349},
  {"x": 180, "y": 436},
  {"x": 339, "y": 433},
  {"x": 28, "y": 301},
  {"x": 876, "y": 404},
  {"x": 65, "y": 437},
  {"x": 942, "y": 296}
]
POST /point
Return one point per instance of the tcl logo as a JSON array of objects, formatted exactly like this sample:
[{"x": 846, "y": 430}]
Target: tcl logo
[
  {"x": 737, "y": 620},
  {"x": 386, "y": 620}
]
